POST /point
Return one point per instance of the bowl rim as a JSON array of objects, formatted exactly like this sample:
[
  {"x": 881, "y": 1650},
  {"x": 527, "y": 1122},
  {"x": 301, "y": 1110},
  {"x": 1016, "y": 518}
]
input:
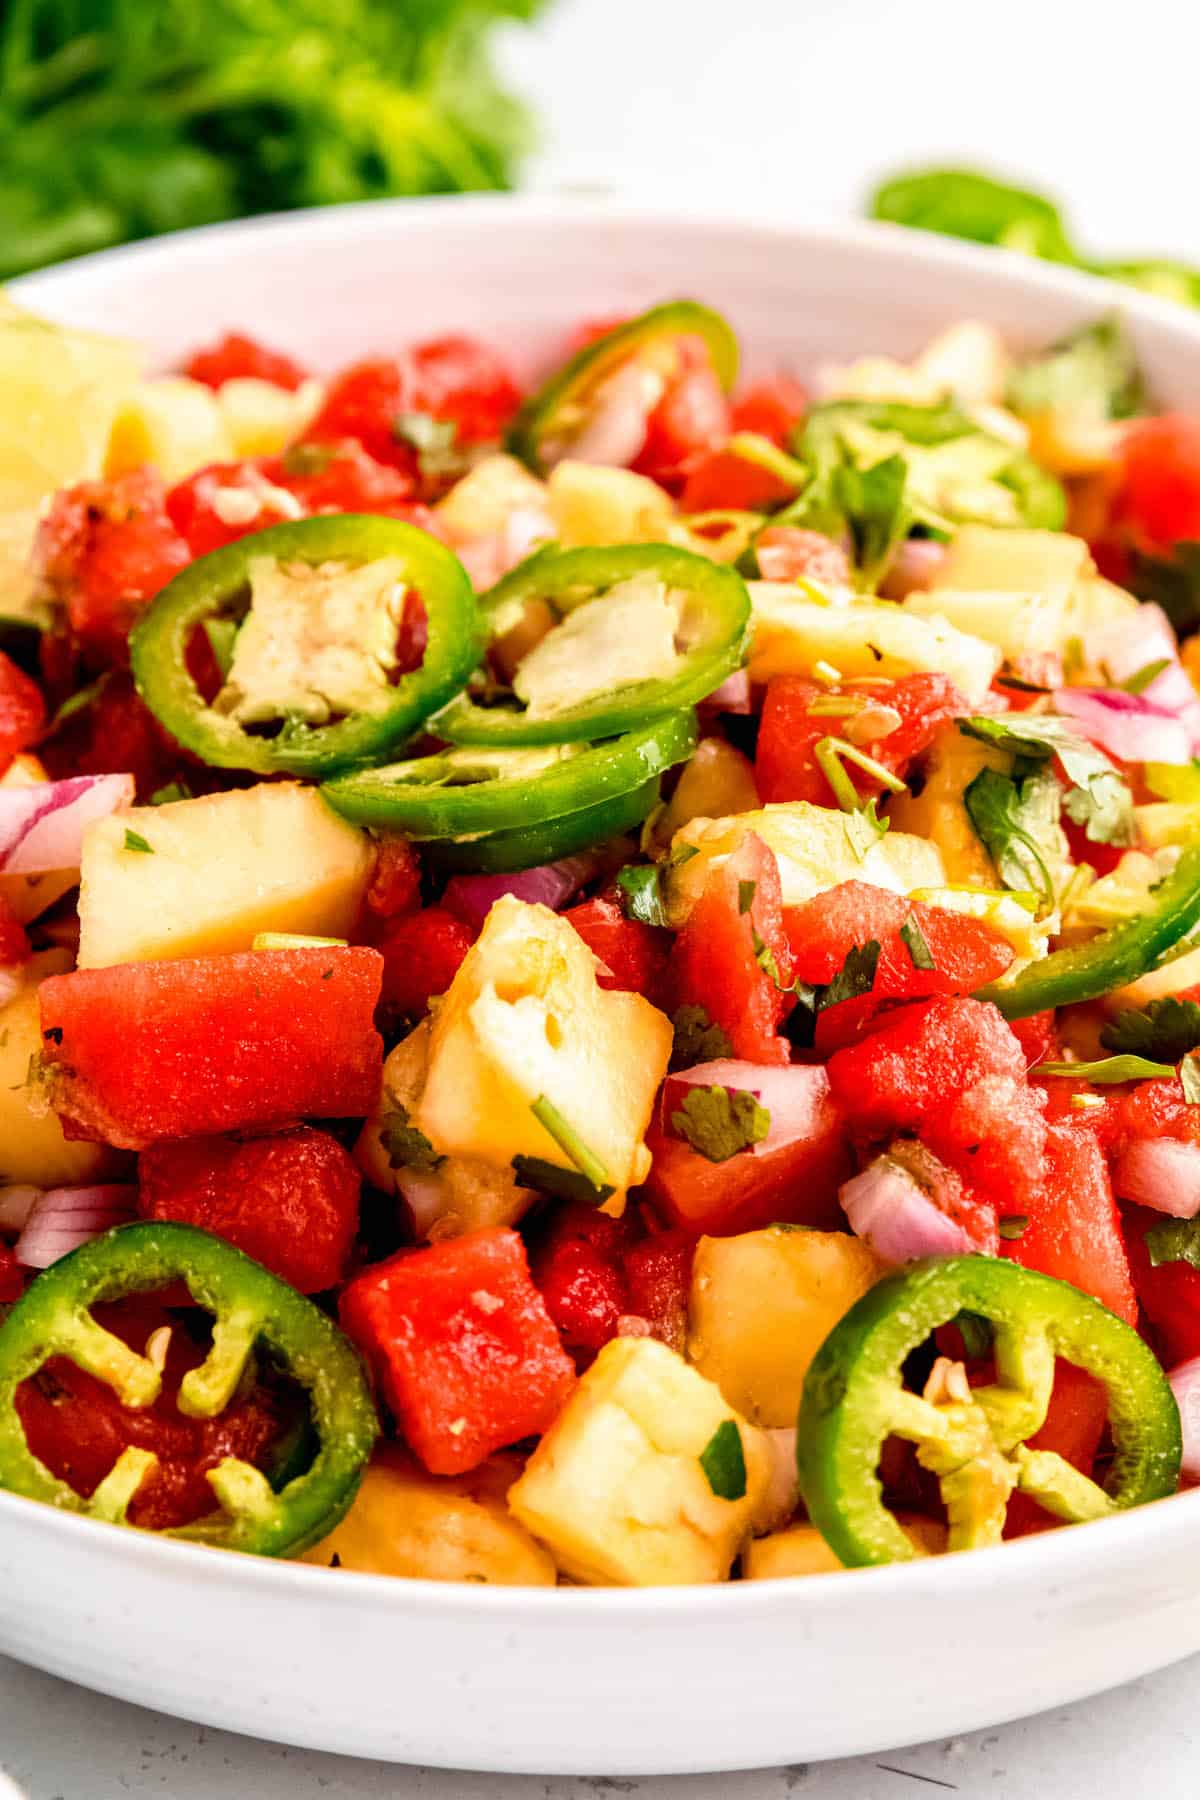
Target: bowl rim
[{"x": 1059, "y": 1556}]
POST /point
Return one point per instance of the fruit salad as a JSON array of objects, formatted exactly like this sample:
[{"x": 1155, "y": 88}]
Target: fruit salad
[{"x": 599, "y": 981}]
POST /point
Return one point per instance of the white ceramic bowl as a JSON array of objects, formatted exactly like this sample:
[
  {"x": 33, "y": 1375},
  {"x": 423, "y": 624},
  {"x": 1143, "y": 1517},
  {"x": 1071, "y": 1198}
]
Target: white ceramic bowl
[{"x": 658, "y": 1681}]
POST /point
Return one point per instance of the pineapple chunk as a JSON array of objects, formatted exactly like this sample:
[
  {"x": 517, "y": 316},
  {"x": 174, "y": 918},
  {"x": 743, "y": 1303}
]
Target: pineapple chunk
[
  {"x": 592, "y": 504},
  {"x": 761, "y": 1306},
  {"x": 27, "y": 896},
  {"x": 981, "y": 558},
  {"x": 480, "y": 504},
  {"x": 430, "y": 1528},
  {"x": 460, "y": 1194},
  {"x": 791, "y": 634},
  {"x": 1021, "y": 590},
  {"x": 938, "y": 814},
  {"x": 816, "y": 847},
  {"x": 32, "y": 1146},
  {"x": 221, "y": 869},
  {"x": 262, "y": 418},
  {"x": 716, "y": 782},
  {"x": 172, "y": 422},
  {"x": 61, "y": 391},
  {"x": 616, "y": 1489},
  {"x": 801, "y": 1550},
  {"x": 525, "y": 1019}
]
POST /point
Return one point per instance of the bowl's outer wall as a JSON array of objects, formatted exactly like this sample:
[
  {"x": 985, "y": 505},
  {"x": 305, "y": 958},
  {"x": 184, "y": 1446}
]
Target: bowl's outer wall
[{"x": 655, "y": 1682}]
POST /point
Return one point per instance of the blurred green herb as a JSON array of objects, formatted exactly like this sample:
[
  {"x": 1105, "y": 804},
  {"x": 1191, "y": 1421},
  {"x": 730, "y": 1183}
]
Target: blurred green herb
[
  {"x": 120, "y": 119},
  {"x": 965, "y": 203}
]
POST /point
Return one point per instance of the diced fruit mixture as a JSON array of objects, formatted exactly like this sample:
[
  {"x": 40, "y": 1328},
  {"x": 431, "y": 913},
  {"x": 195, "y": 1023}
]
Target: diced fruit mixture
[{"x": 600, "y": 983}]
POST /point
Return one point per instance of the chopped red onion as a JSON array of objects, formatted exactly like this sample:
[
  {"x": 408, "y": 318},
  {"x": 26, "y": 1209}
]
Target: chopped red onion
[
  {"x": 1162, "y": 1173},
  {"x": 489, "y": 558},
  {"x": 42, "y": 827},
  {"x": 914, "y": 568},
  {"x": 733, "y": 695},
  {"x": 793, "y": 1095},
  {"x": 1185, "y": 1385},
  {"x": 64, "y": 1218},
  {"x": 1126, "y": 646},
  {"x": 1130, "y": 727},
  {"x": 472, "y": 897},
  {"x": 891, "y": 1211},
  {"x": 616, "y": 427}
]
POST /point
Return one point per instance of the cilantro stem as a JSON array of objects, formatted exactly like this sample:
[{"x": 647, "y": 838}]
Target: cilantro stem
[
  {"x": 570, "y": 1143},
  {"x": 753, "y": 448},
  {"x": 832, "y": 752}
]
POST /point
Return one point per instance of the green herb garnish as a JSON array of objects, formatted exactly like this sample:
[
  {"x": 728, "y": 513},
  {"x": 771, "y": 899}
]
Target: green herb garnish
[
  {"x": 723, "y": 1460},
  {"x": 719, "y": 1122}
]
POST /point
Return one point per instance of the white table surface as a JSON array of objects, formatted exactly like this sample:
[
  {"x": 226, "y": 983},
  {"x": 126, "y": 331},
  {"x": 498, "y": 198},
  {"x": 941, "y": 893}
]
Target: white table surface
[{"x": 793, "y": 105}]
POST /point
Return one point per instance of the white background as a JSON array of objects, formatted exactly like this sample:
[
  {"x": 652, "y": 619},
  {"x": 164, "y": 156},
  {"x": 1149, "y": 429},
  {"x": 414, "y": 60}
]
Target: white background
[{"x": 794, "y": 106}]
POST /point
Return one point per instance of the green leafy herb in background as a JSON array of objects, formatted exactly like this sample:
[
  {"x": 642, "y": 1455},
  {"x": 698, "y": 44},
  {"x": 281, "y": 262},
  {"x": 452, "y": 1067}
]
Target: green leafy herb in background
[
  {"x": 964, "y": 203},
  {"x": 120, "y": 119}
]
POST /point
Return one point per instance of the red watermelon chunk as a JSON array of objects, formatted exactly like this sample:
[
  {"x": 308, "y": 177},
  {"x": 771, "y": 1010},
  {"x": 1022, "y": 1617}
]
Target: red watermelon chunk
[{"x": 145, "y": 1051}]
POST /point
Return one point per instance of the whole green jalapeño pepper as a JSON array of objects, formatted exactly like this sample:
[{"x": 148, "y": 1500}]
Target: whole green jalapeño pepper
[
  {"x": 1115, "y": 957},
  {"x": 974, "y": 1439},
  {"x": 542, "y": 431},
  {"x": 252, "y": 1309},
  {"x": 709, "y": 639},
  {"x": 378, "y": 708},
  {"x": 467, "y": 790}
]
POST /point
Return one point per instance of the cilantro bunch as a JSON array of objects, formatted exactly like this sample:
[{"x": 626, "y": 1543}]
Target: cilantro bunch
[{"x": 120, "y": 119}]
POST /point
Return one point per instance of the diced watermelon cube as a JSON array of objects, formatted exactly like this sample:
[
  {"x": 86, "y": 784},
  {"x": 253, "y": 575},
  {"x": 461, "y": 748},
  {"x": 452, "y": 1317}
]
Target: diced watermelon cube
[
  {"x": 466, "y": 1354},
  {"x": 921, "y": 1058},
  {"x": 144, "y": 1051},
  {"x": 1074, "y": 1228},
  {"x": 723, "y": 954}
]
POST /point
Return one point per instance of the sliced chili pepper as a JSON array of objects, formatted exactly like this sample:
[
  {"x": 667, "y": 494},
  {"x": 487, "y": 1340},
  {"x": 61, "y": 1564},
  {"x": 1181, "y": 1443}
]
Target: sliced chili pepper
[
  {"x": 216, "y": 586},
  {"x": 467, "y": 790},
  {"x": 975, "y": 1439},
  {"x": 560, "y": 407},
  {"x": 714, "y": 621},
  {"x": 1116, "y": 957},
  {"x": 252, "y": 1308},
  {"x": 529, "y": 846}
]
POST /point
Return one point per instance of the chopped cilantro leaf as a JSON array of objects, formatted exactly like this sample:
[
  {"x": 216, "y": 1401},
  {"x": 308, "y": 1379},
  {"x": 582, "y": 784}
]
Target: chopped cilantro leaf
[
  {"x": 855, "y": 978},
  {"x": 864, "y": 829},
  {"x": 307, "y": 459},
  {"x": 1142, "y": 678},
  {"x": 1012, "y": 1226},
  {"x": 1017, "y": 824},
  {"x": 719, "y": 1121},
  {"x": 746, "y": 893},
  {"x": 697, "y": 1039},
  {"x": 561, "y": 1184},
  {"x": 1175, "y": 1240},
  {"x": 914, "y": 941},
  {"x": 1109, "y": 1070},
  {"x": 723, "y": 1460},
  {"x": 174, "y": 790},
  {"x": 135, "y": 841},
  {"x": 1166, "y": 1029},
  {"x": 404, "y": 1146},
  {"x": 1098, "y": 798},
  {"x": 642, "y": 893},
  {"x": 1189, "y": 1078}
]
